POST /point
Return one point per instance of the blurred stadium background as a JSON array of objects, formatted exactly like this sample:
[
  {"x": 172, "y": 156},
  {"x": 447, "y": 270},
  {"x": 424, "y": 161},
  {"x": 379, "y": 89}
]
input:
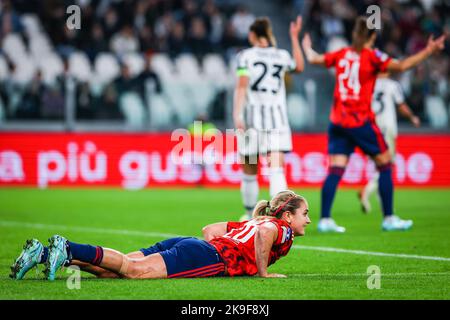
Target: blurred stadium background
[{"x": 152, "y": 65}]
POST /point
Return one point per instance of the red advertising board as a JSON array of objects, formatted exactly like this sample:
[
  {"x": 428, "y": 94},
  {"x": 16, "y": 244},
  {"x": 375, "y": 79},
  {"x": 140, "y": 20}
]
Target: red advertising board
[{"x": 135, "y": 161}]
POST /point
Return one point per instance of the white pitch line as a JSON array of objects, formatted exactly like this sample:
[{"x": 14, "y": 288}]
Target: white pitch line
[
  {"x": 401, "y": 274},
  {"x": 371, "y": 253},
  {"x": 169, "y": 235},
  {"x": 86, "y": 229}
]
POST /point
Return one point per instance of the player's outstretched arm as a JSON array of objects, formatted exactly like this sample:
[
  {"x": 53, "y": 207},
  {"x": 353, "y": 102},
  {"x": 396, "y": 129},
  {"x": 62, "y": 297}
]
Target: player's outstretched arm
[
  {"x": 265, "y": 236},
  {"x": 294, "y": 31},
  {"x": 214, "y": 230},
  {"x": 406, "y": 111},
  {"x": 312, "y": 56},
  {"x": 412, "y": 61}
]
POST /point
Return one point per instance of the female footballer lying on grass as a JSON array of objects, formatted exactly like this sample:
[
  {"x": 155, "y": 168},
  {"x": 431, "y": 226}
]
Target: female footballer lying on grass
[{"x": 229, "y": 248}]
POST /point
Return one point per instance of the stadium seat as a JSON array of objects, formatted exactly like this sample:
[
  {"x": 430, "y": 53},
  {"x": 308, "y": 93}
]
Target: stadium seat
[
  {"x": 135, "y": 62},
  {"x": 179, "y": 97},
  {"x": 51, "y": 66},
  {"x": 25, "y": 70},
  {"x": 215, "y": 70},
  {"x": 133, "y": 108},
  {"x": 4, "y": 72},
  {"x": 298, "y": 111},
  {"x": 187, "y": 67},
  {"x": 106, "y": 67},
  {"x": 163, "y": 66},
  {"x": 14, "y": 47},
  {"x": 40, "y": 46},
  {"x": 160, "y": 112},
  {"x": 199, "y": 89},
  {"x": 31, "y": 24},
  {"x": 435, "y": 111},
  {"x": 79, "y": 66}
]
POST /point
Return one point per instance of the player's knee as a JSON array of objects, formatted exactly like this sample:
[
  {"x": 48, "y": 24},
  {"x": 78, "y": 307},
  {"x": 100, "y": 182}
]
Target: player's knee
[
  {"x": 383, "y": 159},
  {"x": 129, "y": 268},
  {"x": 133, "y": 271}
]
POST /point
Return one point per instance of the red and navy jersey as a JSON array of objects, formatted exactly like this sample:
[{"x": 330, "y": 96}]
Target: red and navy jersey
[
  {"x": 237, "y": 246},
  {"x": 356, "y": 74}
]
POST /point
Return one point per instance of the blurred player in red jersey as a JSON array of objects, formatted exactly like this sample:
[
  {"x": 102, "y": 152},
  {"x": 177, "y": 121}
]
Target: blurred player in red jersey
[
  {"x": 229, "y": 249},
  {"x": 352, "y": 120}
]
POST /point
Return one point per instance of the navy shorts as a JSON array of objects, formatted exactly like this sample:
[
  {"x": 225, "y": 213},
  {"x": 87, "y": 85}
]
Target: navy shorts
[
  {"x": 367, "y": 137},
  {"x": 188, "y": 257}
]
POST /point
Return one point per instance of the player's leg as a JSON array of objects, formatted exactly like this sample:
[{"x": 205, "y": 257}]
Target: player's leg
[
  {"x": 372, "y": 142},
  {"x": 365, "y": 194},
  {"x": 338, "y": 162},
  {"x": 186, "y": 257},
  {"x": 101, "y": 272},
  {"x": 279, "y": 142},
  {"x": 277, "y": 178},
  {"x": 339, "y": 149},
  {"x": 248, "y": 148},
  {"x": 61, "y": 251},
  {"x": 372, "y": 186},
  {"x": 249, "y": 187}
]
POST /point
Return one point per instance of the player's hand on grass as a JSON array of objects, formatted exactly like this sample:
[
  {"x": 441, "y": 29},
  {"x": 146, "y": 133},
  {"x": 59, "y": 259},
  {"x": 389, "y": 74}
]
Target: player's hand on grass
[
  {"x": 274, "y": 275},
  {"x": 296, "y": 27},
  {"x": 435, "y": 45}
]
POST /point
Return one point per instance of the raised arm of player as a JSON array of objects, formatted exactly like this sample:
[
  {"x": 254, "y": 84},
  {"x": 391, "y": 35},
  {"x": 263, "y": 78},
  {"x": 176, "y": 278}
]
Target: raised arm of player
[
  {"x": 412, "y": 61},
  {"x": 312, "y": 56},
  {"x": 214, "y": 230},
  {"x": 239, "y": 100},
  {"x": 265, "y": 236},
  {"x": 406, "y": 111},
  {"x": 294, "y": 31}
]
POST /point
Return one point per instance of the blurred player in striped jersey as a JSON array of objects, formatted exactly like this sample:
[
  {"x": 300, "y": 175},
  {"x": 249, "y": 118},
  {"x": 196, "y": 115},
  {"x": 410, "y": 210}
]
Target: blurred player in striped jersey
[
  {"x": 388, "y": 96},
  {"x": 259, "y": 111}
]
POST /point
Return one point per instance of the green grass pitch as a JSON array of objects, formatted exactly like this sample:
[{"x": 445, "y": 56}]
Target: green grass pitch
[{"x": 127, "y": 221}]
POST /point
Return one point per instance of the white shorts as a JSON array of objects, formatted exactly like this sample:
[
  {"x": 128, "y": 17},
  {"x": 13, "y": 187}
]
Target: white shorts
[{"x": 254, "y": 142}]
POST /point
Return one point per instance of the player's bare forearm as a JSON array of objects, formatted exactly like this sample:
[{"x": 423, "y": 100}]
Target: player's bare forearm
[
  {"x": 239, "y": 100},
  {"x": 312, "y": 56},
  {"x": 297, "y": 54},
  {"x": 408, "y": 63},
  {"x": 294, "y": 31},
  {"x": 214, "y": 230},
  {"x": 264, "y": 239},
  {"x": 412, "y": 61},
  {"x": 406, "y": 112}
]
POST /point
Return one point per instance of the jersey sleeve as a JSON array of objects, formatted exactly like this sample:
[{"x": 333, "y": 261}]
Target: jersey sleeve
[
  {"x": 380, "y": 60},
  {"x": 234, "y": 225},
  {"x": 242, "y": 64},
  {"x": 331, "y": 58},
  {"x": 399, "y": 97}
]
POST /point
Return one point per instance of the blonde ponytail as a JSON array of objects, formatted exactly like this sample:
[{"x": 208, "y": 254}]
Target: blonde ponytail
[
  {"x": 281, "y": 202},
  {"x": 262, "y": 208}
]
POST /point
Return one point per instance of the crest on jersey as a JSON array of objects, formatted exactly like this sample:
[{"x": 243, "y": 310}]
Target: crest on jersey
[{"x": 287, "y": 234}]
